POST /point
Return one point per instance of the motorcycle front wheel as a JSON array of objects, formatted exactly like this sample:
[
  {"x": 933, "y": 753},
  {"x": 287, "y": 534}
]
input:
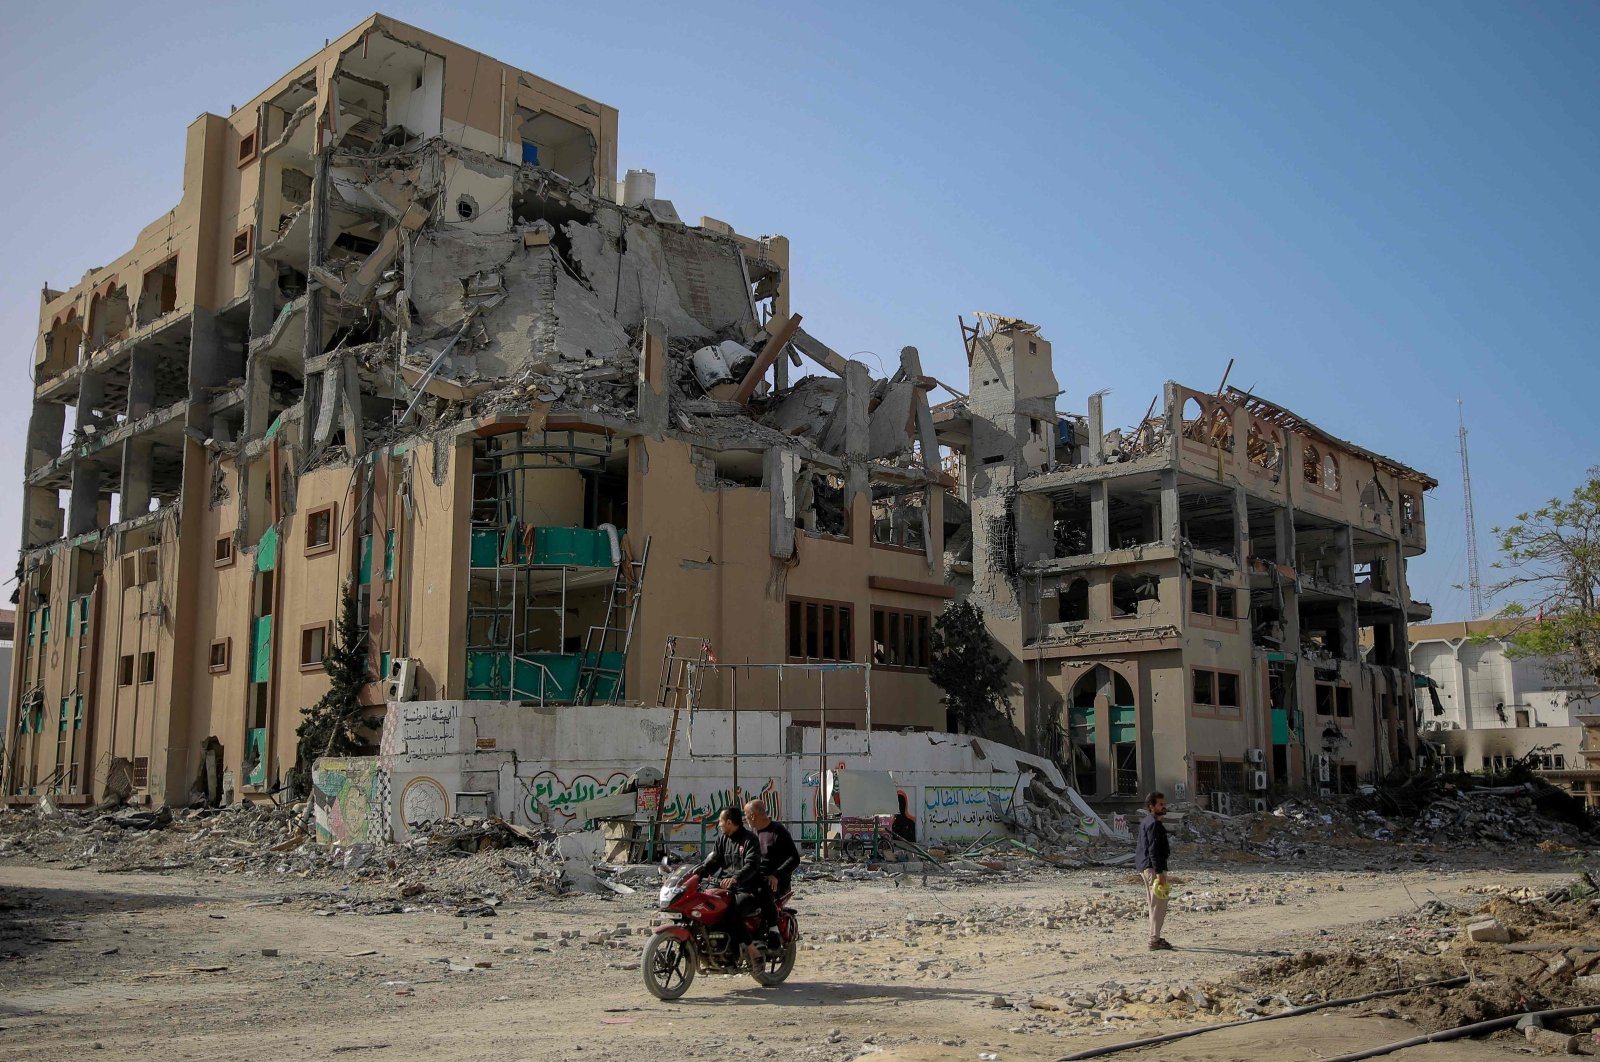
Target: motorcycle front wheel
[
  {"x": 774, "y": 967},
  {"x": 668, "y": 966}
]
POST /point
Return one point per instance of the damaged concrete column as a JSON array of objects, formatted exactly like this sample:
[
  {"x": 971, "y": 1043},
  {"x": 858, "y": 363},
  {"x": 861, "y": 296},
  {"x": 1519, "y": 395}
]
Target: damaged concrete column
[
  {"x": 654, "y": 402},
  {"x": 779, "y": 467},
  {"x": 1170, "y": 533},
  {"x": 1097, "y": 430},
  {"x": 857, "y": 392},
  {"x": 137, "y": 461},
  {"x": 83, "y": 506},
  {"x": 1284, "y": 518},
  {"x": 1099, "y": 518},
  {"x": 1241, "y": 527}
]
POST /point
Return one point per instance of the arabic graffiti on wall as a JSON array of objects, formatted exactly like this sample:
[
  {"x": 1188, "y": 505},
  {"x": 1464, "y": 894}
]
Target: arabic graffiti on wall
[
  {"x": 961, "y": 806},
  {"x": 699, "y": 807},
  {"x": 559, "y": 795},
  {"x": 683, "y": 806}
]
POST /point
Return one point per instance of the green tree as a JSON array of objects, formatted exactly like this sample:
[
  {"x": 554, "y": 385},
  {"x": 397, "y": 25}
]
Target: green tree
[
  {"x": 963, "y": 663},
  {"x": 329, "y": 727},
  {"x": 1551, "y": 560}
]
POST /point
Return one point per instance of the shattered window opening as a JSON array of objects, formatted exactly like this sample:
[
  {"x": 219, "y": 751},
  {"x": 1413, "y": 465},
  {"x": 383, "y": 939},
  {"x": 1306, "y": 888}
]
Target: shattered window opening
[
  {"x": 897, "y": 518},
  {"x": 1073, "y": 602},
  {"x": 1133, "y": 595}
]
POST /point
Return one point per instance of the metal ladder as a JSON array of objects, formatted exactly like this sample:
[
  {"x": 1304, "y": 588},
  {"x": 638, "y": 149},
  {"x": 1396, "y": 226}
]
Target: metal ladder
[
  {"x": 681, "y": 679},
  {"x": 627, "y": 588}
]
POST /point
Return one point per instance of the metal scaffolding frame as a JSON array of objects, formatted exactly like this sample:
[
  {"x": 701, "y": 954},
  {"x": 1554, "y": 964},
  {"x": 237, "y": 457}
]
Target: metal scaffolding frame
[
  {"x": 506, "y": 600},
  {"x": 821, "y": 670}
]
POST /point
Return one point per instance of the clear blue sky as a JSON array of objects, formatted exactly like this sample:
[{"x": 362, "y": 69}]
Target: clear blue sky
[{"x": 1374, "y": 208}]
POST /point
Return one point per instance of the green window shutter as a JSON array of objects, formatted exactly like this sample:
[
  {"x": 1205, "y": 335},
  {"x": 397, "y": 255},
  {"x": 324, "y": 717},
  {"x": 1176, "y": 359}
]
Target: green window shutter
[
  {"x": 63, "y": 720},
  {"x": 267, "y": 551},
  {"x": 366, "y": 560},
  {"x": 261, "y": 650},
  {"x": 83, "y": 615},
  {"x": 388, "y": 555},
  {"x": 388, "y": 658},
  {"x": 44, "y": 625}
]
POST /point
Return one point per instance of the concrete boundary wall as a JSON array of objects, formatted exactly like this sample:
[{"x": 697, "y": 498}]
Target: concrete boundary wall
[{"x": 536, "y": 764}]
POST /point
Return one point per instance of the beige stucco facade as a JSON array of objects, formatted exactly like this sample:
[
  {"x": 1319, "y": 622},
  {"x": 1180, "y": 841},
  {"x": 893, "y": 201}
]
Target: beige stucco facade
[
  {"x": 388, "y": 343},
  {"x": 1184, "y": 600}
]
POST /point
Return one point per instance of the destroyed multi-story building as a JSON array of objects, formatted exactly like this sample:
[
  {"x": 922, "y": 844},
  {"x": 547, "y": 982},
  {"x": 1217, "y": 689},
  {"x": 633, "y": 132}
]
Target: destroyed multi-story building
[
  {"x": 407, "y": 341},
  {"x": 1185, "y": 600},
  {"x": 405, "y": 336}
]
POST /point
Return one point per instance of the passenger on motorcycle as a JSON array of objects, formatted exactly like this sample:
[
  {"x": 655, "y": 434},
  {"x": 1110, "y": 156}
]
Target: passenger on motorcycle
[
  {"x": 779, "y": 858},
  {"x": 735, "y": 865}
]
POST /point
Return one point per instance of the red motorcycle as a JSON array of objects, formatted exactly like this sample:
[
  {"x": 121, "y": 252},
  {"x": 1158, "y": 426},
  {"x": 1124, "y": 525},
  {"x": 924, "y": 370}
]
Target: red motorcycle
[{"x": 698, "y": 939}]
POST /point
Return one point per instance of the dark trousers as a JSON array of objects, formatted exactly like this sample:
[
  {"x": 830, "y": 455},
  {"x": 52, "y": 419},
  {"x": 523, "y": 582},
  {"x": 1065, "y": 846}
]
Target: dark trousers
[{"x": 745, "y": 901}]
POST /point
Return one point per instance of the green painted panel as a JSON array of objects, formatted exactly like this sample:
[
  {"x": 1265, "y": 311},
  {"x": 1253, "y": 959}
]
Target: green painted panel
[
  {"x": 256, "y": 742},
  {"x": 261, "y": 650},
  {"x": 1280, "y": 726},
  {"x": 607, "y": 687},
  {"x": 365, "y": 574},
  {"x": 1081, "y": 722},
  {"x": 488, "y": 676},
  {"x": 1124, "y": 723},
  {"x": 485, "y": 547},
  {"x": 267, "y": 551},
  {"x": 560, "y": 685},
  {"x": 571, "y": 545},
  {"x": 388, "y": 555},
  {"x": 386, "y": 660}
]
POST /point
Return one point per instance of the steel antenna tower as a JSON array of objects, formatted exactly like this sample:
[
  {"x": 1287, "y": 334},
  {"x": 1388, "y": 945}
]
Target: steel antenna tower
[{"x": 1474, "y": 575}]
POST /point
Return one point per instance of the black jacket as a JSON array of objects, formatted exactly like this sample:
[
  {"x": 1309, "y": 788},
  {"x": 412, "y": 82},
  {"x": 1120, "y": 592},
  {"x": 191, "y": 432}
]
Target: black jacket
[
  {"x": 779, "y": 856},
  {"x": 736, "y": 856},
  {"x": 1151, "y": 851}
]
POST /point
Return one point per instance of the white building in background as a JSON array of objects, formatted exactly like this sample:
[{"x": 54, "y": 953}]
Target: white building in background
[{"x": 1477, "y": 686}]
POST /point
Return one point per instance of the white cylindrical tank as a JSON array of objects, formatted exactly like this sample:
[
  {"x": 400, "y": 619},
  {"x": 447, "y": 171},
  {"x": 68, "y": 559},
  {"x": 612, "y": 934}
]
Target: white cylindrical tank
[{"x": 637, "y": 186}]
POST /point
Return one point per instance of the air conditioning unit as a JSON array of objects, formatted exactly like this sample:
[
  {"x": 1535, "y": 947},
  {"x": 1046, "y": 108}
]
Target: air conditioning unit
[
  {"x": 475, "y": 805},
  {"x": 1222, "y": 803},
  {"x": 1258, "y": 780},
  {"x": 1255, "y": 756},
  {"x": 1259, "y": 805},
  {"x": 402, "y": 679},
  {"x": 1324, "y": 769}
]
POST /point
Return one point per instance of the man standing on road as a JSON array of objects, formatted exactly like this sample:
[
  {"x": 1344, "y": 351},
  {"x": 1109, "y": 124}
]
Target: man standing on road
[{"x": 1150, "y": 860}]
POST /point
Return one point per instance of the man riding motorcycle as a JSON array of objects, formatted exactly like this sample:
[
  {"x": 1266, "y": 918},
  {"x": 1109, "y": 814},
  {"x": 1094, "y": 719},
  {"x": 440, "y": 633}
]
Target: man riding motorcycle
[
  {"x": 779, "y": 858},
  {"x": 737, "y": 859}
]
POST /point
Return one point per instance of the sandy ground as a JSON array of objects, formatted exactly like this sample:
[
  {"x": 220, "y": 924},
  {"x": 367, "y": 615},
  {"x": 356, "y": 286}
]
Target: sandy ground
[{"x": 172, "y": 966}]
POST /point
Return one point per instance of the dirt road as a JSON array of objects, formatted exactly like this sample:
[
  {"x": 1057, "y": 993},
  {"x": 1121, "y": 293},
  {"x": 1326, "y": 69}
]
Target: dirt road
[{"x": 206, "y": 968}]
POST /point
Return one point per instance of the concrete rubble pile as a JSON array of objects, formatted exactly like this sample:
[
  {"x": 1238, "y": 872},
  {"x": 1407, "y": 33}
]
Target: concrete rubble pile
[
  {"x": 1433, "y": 815},
  {"x": 544, "y": 300}
]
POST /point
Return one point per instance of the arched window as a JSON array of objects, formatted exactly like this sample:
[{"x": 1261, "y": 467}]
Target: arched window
[
  {"x": 1330, "y": 472},
  {"x": 1194, "y": 419},
  {"x": 1263, "y": 448},
  {"x": 1311, "y": 460}
]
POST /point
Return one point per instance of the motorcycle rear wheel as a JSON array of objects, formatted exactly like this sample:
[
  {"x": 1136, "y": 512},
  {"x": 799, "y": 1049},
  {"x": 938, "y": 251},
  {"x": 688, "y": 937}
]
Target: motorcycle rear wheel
[
  {"x": 669, "y": 966},
  {"x": 774, "y": 968}
]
